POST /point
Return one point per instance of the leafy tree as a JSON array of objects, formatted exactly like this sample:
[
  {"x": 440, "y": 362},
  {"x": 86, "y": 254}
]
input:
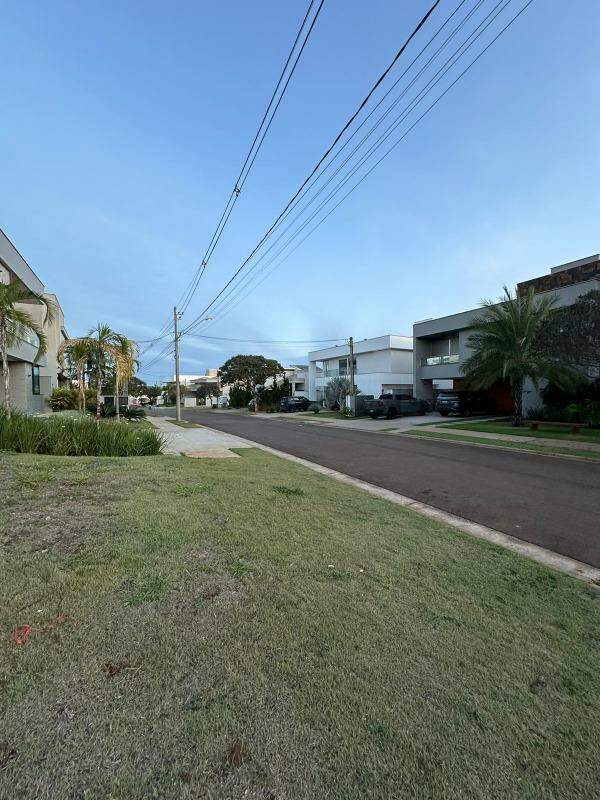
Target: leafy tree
[
  {"x": 208, "y": 390},
  {"x": 506, "y": 347},
  {"x": 336, "y": 392},
  {"x": 572, "y": 333},
  {"x": 14, "y": 324},
  {"x": 249, "y": 371}
]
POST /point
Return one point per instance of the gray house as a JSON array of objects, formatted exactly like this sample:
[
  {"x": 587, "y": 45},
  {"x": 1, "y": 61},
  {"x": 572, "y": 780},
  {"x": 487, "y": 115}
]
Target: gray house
[
  {"x": 31, "y": 380},
  {"x": 440, "y": 345}
]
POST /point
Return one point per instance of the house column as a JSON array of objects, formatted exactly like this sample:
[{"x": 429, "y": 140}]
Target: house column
[{"x": 312, "y": 380}]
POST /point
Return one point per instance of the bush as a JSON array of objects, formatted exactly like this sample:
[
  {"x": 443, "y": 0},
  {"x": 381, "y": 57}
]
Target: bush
[
  {"x": 134, "y": 413},
  {"x": 76, "y": 436},
  {"x": 239, "y": 397},
  {"x": 66, "y": 398}
]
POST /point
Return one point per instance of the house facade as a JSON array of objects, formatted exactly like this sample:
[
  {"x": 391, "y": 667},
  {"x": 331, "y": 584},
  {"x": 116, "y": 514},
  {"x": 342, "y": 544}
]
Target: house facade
[
  {"x": 441, "y": 345},
  {"x": 31, "y": 380},
  {"x": 381, "y": 364}
]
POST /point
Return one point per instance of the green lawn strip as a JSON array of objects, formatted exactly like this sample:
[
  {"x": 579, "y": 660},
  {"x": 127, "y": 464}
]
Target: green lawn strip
[
  {"x": 585, "y": 434},
  {"x": 527, "y": 446},
  {"x": 183, "y": 423},
  {"x": 249, "y": 628}
]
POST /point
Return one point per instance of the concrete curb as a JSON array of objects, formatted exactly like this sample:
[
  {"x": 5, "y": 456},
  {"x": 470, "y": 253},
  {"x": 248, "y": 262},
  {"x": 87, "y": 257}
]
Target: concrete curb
[{"x": 569, "y": 566}]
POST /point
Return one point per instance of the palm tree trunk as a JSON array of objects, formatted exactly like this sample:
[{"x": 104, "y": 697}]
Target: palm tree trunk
[
  {"x": 98, "y": 388},
  {"x": 517, "y": 393},
  {"x": 118, "y": 413},
  {"x": 81, "y": 387},
  {"x": 5, "y": 372}
]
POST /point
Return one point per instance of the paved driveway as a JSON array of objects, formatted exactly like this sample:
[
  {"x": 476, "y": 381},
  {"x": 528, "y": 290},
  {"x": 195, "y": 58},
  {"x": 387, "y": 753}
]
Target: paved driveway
[{"x": 552, "y": 502}]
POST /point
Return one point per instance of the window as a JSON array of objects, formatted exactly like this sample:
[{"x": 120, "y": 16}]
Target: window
[
  {"x": 299, "y": 387},
  {"x": 35, "y": 380}
]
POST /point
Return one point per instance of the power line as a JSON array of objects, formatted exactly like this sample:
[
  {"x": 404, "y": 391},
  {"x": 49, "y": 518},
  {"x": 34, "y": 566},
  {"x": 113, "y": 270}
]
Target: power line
[
  {"x": 326, "y": 153},
  {"x": 253, "y": 151},
  {"x": 403, "y": 116},
  {"x": 245, "y": 169},
  {"x": 267, "y": 341}
]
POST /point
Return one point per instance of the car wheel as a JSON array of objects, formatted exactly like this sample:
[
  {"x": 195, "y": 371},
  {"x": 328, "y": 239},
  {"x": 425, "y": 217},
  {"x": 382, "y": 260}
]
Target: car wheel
[
  {"x": 443, "y": 413},
  {"x": 392, "y": 413}
]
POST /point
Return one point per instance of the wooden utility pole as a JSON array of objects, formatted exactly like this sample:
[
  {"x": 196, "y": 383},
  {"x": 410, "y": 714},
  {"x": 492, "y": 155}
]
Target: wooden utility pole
[
  {"x": 176, "y": 351},
  {"x": 352, "y": 408}
]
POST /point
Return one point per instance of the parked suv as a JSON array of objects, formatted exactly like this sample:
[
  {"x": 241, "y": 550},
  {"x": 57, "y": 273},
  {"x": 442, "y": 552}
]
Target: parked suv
[
  {"x": 392, "y": 405},
  {"x": 464, "y": 403},
  {"x": 289, "y": 404}
]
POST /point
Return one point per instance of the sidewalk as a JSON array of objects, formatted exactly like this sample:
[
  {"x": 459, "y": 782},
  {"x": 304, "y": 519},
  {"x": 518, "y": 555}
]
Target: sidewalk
[
  {"x": 506, "y": 437},
  {"x": 197, "y": 442}
]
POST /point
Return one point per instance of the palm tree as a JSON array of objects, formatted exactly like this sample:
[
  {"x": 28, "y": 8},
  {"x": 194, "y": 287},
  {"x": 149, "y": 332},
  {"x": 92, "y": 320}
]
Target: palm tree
[
  {"x": 79, "y": 354},
  {"x": 125, "y": 363},
  {"x": 506, "y": 345},
  {"x": 15, "y": 322},
  {"x": 102, "y": 344}
]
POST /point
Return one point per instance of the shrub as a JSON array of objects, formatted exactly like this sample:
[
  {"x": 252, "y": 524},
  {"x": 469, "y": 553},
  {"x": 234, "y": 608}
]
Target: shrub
[
  {"x": 76, "y": 436},
  {"x": 66, "y": 398}
]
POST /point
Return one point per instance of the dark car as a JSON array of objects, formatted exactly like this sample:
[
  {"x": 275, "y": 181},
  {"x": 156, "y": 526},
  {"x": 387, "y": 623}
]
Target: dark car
[
  {"x": 289, "y": 404},
  {"x": 393, "y": 405},
  {"x": 463, "y": 403}
]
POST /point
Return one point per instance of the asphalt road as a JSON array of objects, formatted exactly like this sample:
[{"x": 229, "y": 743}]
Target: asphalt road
[{"x": 552, "y": 502}]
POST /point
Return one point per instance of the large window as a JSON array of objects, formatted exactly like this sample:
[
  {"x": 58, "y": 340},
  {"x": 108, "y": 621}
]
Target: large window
[{"x": 35, "y": 380}]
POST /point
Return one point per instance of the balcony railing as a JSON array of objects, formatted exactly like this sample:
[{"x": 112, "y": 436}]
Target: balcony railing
[
  {"x": 433, "y": 361},
  {"x": 337, "y": 373}
]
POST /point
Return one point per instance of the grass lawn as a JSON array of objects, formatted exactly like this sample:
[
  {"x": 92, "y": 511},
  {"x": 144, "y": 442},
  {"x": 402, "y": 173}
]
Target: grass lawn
[
  {"x": 529, "y": 447},
  {"x": 250, "y": 629},
  {"x": 183, "y": 423},
  {"x": 547, "y": 432}
]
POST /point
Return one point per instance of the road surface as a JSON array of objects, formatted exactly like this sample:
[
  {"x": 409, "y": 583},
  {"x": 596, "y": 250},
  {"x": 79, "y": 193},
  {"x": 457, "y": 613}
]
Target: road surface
[{"x": 552, "y": 502}]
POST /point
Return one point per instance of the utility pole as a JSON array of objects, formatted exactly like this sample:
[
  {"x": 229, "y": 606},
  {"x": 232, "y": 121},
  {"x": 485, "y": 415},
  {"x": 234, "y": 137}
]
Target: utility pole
[
  {"x": 176, "y": 350},
  {"x": 352, "y": 407}
]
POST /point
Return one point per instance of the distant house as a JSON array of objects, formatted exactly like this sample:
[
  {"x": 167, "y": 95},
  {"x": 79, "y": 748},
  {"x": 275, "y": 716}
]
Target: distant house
[
  {"x": 381, "y": 364},
  {"x": 31, "y": 380},
  {"x": 441, "y": 345}
]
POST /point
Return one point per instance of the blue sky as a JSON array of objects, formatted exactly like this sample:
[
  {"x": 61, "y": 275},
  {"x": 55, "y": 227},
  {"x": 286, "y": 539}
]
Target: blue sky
[{"x": 125, "y": 124}]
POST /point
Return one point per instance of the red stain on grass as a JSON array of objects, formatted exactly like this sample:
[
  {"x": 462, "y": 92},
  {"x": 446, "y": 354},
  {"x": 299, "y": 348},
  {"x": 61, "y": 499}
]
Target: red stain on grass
[
  {"x": 111, "y": 670},
  {"x": 20, "y": 634}
]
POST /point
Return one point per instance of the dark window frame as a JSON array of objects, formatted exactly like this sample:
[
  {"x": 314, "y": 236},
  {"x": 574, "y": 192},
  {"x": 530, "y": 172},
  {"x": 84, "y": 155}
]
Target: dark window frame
[{"x": 35, "y": 380}]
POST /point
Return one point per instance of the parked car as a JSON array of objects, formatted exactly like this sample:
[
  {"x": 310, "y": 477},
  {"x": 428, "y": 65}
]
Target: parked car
[
  {"x": 393, "y": 405},
  {"x": 464, "y": 403},
  {"x": 290, "y": 404}
]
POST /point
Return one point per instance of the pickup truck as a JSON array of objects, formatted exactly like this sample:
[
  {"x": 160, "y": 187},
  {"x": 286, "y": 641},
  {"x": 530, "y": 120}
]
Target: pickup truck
[{"x": 392, "y": 405}]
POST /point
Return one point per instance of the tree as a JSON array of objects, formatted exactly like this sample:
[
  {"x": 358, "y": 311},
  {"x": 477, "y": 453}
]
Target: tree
[
  {"x": 78, "y": 353},
  {"x": 572, "y": 333},
  {"x": 125, "y": 363},
  {"x": 208, "y": 390},
  {"x": 15, "y": 322},
  {"x": 104, "y": 349},
  {"x": 336, "y": 391},
  {"x": 250, "y": 371},
  {"x": 506, "y": 347}
]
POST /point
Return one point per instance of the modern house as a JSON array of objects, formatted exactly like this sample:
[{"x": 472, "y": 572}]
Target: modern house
[
  {"x": 381, "y": 364},
  {"x": 31, "y": 380},
  {"x": 441, "y": 345}
]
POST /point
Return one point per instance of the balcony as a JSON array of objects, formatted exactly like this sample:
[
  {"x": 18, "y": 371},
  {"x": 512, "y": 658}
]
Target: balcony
[
  {"x": 337, "y": 373},
  {"x": 434, "y": 361}
]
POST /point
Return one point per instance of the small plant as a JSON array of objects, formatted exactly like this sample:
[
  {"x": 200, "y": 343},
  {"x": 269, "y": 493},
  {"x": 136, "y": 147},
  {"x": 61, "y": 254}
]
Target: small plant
[
  {"x": 146, "y": 588},
  {"x": 288, "y": 491},
  {"x": 188, "y": 491}
]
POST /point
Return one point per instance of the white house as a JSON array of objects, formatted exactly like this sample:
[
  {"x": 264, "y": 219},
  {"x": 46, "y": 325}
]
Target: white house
[{"x": 382, "y": 364}]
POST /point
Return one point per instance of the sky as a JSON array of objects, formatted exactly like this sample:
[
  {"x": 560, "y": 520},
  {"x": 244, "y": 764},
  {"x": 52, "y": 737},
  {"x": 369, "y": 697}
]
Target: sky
[{"x": 125, "y": 124}]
